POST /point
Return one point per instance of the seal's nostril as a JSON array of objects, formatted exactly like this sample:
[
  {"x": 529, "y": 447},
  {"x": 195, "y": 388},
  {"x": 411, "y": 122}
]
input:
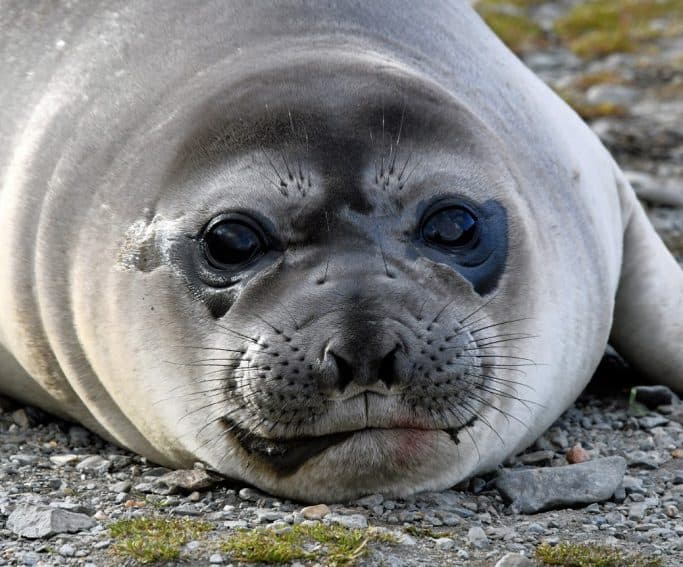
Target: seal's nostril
[
  {"x": 365, "y": 370},
  {"x": 387, "y": 368},
  {"x": 344, "y": 371}
]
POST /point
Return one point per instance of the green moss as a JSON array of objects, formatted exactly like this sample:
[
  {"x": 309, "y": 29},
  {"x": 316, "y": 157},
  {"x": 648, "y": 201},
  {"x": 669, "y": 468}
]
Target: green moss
[
  {"x": 606, "y": 77},
  {"x": 154, "y": 539},
  {"x": 600, "y": 27},
  {"x": 417, "y": 531},
  {"x": 582, "y": 555},
  {"x": 511, "y": 23},
  {"x": 590, "y": 110},
  {"x": 336, "y": 544}
]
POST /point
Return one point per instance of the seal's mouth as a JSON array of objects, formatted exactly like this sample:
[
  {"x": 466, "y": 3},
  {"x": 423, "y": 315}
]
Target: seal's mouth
[{"x": 286, "y": 456}]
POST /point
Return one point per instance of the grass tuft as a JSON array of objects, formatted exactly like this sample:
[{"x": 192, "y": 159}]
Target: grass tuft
[
  {"x": 336, "y": 544},
  {"x": 591, "y": 110},
  {"x": 582, "y": 555},
  {"x": 149, "y": 540},
  {"x": 511, "y": 23},
  {"x": 599, "y": 27}
]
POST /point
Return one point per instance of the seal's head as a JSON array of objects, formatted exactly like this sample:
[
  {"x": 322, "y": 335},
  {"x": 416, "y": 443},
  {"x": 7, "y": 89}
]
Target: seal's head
[{"x": 338, "y": 273}]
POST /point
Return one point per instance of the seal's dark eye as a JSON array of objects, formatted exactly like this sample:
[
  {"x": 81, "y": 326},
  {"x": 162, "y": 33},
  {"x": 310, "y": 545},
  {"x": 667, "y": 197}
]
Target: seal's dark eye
[
  {"x": 229, "y": 244},
  {"x": 450, "y": 227}
]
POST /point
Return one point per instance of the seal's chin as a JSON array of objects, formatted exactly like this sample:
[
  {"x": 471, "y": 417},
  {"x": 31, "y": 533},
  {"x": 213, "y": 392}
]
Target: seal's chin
[{"x": 286, "y": 456}]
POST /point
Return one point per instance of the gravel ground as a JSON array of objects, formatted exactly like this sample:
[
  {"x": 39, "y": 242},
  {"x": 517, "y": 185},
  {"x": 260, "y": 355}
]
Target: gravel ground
[{"x": 56, "y": 475}]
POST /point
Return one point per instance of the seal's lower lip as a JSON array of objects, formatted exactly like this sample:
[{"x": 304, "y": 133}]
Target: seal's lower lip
[{"x": 286, "y": 456}]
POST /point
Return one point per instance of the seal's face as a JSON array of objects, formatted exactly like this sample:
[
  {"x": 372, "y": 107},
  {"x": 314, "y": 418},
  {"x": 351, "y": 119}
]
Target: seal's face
[{"x": 333, "y": 307}]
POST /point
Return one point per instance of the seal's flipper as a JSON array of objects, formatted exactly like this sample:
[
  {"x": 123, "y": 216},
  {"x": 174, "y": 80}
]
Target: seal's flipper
[{"x": 648, "y": 316}]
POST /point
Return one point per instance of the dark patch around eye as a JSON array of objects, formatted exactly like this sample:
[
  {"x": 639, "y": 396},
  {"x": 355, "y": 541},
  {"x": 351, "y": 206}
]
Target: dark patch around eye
[{"x": 470, "y": 238}]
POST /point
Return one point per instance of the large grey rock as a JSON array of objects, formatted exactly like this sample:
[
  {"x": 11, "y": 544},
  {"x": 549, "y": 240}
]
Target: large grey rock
[
  {"x": 33, "y": 521},
  {"x": 535, "y": 490}
]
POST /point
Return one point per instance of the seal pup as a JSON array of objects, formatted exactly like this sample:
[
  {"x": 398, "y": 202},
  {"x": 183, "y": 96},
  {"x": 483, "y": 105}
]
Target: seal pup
[{"x": 326, "y": 248}]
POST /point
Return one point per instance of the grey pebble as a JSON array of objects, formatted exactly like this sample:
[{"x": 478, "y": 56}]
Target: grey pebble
[
  {"x": 477, "y": 537},
  {"x": 67, "y": 550},
  {"x": 353, "y": 521},
  {"x": 444, "y": 543},
  {"x": 650, "y": 421}
]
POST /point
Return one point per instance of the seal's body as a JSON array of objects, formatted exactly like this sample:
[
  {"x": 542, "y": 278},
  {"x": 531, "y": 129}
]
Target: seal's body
[{"x": 328, "y": 248}]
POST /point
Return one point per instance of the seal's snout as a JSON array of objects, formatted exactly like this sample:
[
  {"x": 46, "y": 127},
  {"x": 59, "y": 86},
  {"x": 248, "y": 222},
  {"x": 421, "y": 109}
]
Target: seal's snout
[{"x": 366, "y": 367}]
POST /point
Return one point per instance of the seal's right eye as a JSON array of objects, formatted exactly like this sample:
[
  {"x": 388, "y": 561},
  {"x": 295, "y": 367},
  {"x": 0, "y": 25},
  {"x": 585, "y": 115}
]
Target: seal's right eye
[
  {"x": 450, "y": 227},
  {"x": 232, "y": 243}
]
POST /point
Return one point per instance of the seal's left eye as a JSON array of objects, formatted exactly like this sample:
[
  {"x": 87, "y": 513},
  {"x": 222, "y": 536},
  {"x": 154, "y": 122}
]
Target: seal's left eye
[
  {"x": 229, "y": 244},
  {"x": 450, "y": 227}
]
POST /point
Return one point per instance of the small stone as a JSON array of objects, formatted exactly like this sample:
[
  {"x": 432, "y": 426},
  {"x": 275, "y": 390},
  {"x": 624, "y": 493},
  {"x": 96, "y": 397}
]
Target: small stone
[
  {"x": 317, "y": 512},
  {"x": 235, "y": 524},
  {"x": 265, "y": 516},
  {"x": 477, "y": 537},
  {"x": 534, "y": 490},
  {"x": 192, "y": 545},
  {"x": 191, "y": 480},
  {"x": 653, "y": 396},
  {"x": 20, "y": 418},
  {"x": 619, "y": 494},
  {"x": 536, "y": 528},
  {"x": 559, "y": 438},
  {"x": 102, "y": 544},
  {"x": 403, "y": 538},
  {"x": 650, "y": 421},
  {"x": 648, "y": 460},
  {"x": 29, "y": 558},
  {"x": 100, "y": 516},
  {"x": 94, "y": 463},
  {"x": 67, "y": 550},
  {"x": 577, "y": 454},
  {"x": 78, "y": 436},
  {"x": 633, "y": 484},
  {"x": 536, "y": 457},
  {"x": 370, "y": 501},
  {"x": 24, "y": 459},
  {"x": 122, "y": 486},
  {"x": 671, "y": 510},
  {"x": 612, "y": 94},
  {"x": 678, "y": 477},
  {"x": 194, "y": 496},
  {"x": 636, "y": 512},
  {"x": 33, "y": 521},
  {"x": 353, "y": 521},
  {"x": 477, "y": 485},
  {"x": 515, "y": 560},
  {"x": 251, "y": 494},
  {"x": 216, "y": 559},
  {"x": 62, "y": 460},
  {"x": 614, "y": 517},
  {"x": 186, "y": 510},
  {"x": 445, "y": 543}
]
